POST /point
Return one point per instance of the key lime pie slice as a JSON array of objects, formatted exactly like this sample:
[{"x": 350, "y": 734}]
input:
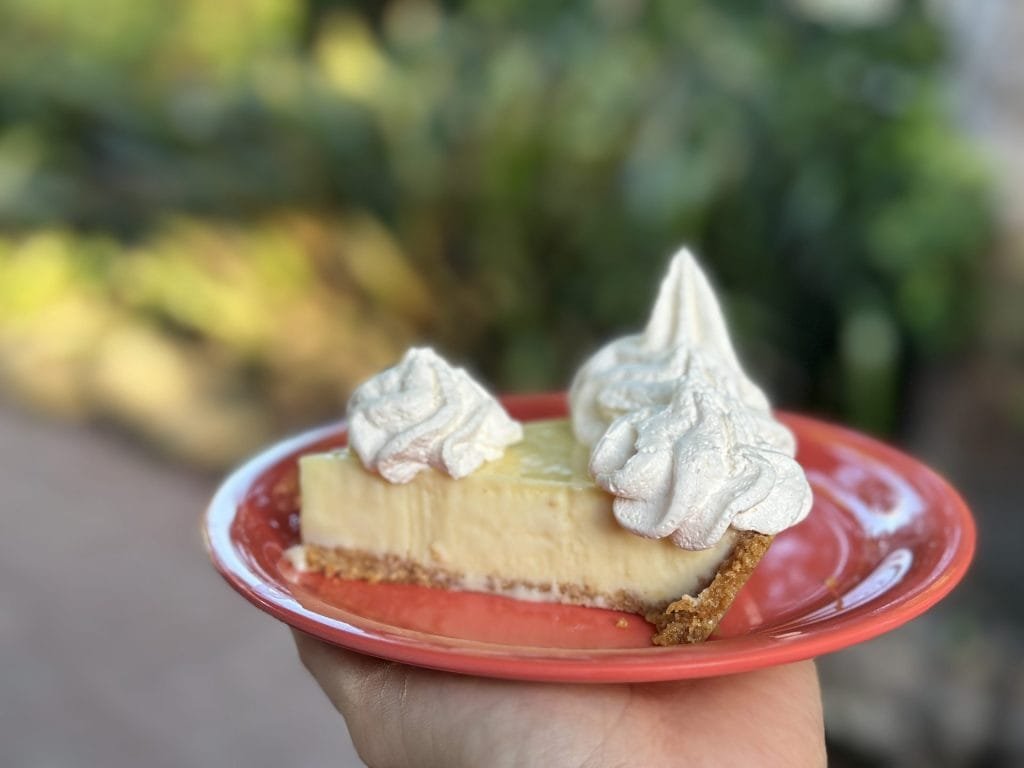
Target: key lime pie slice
[{"x": 659, "y": 496}]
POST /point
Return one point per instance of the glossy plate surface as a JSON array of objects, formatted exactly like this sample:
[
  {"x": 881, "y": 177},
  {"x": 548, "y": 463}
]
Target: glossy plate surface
[{"x": 886, "y": 539}]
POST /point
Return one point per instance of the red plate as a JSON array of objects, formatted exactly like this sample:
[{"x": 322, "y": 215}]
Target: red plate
[{"x": 887, "y": 539}]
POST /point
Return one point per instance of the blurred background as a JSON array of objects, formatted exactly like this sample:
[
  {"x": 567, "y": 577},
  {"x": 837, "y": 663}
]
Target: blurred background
[{"x": 216, "y": 218}]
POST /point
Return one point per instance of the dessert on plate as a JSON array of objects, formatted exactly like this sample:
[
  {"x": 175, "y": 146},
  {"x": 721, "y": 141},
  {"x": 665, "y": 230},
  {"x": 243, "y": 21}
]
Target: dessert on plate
[{"x": 659, "y": 495}]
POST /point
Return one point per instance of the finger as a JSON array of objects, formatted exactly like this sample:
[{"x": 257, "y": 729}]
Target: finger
[
  {"x": 334, "y": 668},
  {"x": 779, "y": 709},
  {"x": 785, "y": 702},
  {"x": 367, "y": 692},
  {"x": 352, "y": 681},
  {"x": 792, "y": 693}
]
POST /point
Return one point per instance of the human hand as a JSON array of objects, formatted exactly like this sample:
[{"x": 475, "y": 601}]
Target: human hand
[{"x": 406, "y": 717}]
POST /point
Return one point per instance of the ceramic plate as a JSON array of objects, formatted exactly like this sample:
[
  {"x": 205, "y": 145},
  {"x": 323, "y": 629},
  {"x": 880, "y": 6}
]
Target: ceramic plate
[{"x": 886, "y": 539}]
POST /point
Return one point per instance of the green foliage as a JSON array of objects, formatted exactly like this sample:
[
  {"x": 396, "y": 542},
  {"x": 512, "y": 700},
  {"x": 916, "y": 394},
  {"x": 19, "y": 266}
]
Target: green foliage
[{"x": 537, "y": 162}]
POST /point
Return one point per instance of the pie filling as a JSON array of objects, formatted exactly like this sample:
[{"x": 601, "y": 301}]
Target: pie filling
[{"x": 531, "y": 525}]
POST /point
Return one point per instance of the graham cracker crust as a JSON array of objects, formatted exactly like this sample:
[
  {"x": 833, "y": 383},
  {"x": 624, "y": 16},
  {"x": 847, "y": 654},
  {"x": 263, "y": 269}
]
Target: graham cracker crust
[
  {"x": 367, "y": 566},
  {"x": 691, "y": 619}
]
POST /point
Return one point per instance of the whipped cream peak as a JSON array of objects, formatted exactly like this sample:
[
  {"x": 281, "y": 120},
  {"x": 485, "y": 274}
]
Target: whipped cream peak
[
  {"x": 424, "y": 413},
  {"x": 680, "y": 436},
  {"x": 687, "y": 313},
  {"x": 644, "y": 369}
]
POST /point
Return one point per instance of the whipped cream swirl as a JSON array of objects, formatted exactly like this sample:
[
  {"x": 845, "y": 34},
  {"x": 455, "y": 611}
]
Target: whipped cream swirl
[
  {"x": 681, "y": 437},
  {"x": 425, "y": 413},
  {"x": 643, "y": 370}
]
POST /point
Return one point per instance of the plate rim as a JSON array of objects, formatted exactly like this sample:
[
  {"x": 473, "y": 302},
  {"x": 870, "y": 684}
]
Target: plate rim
[{"x": 723, "y": 656}]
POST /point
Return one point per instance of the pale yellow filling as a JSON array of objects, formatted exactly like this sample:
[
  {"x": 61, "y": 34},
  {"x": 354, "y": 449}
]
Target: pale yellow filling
[{"x": 533, "y": 516}]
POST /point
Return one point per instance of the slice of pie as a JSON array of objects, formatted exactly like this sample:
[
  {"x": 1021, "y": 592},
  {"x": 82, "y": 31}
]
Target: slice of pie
[
  {"x": 660, "y": 496},
  {"x": 530, "y": 525}
]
